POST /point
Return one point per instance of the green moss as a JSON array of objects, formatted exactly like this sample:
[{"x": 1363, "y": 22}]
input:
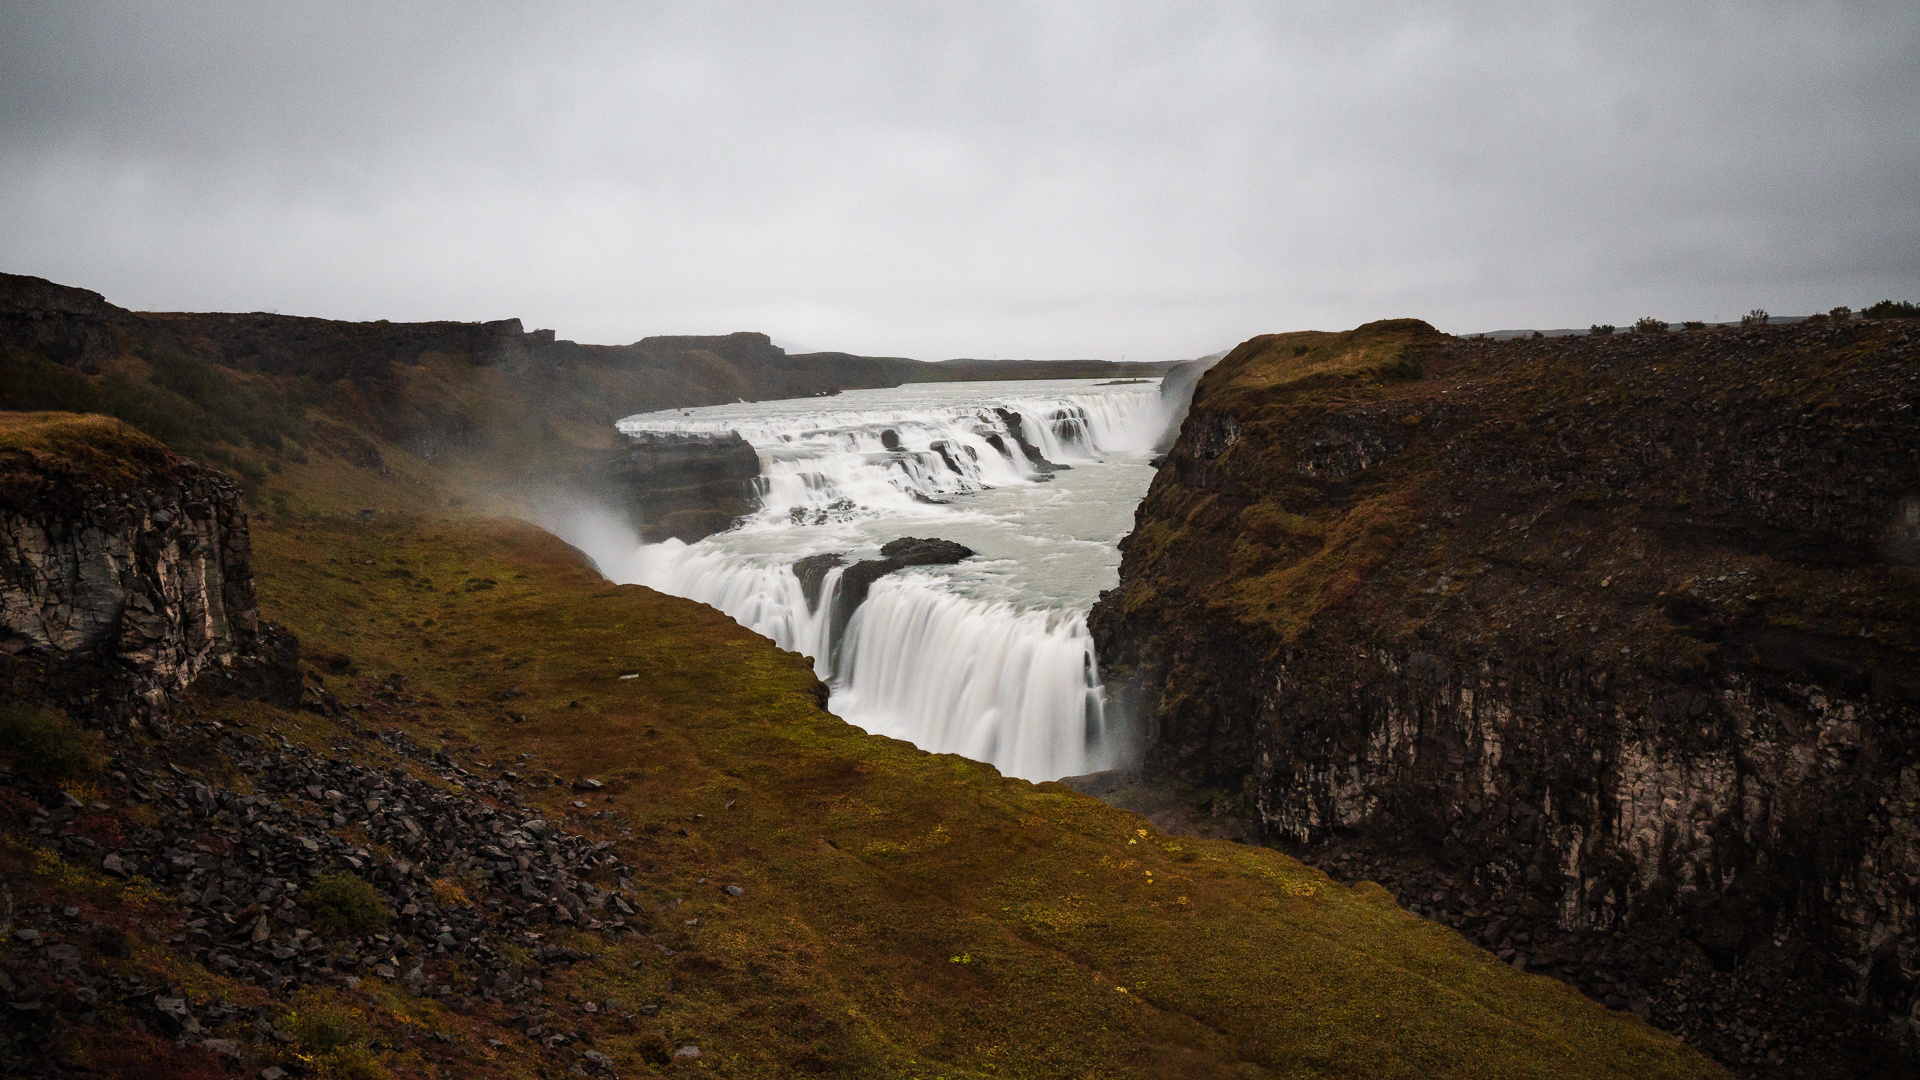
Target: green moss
[
  {"x": 67, "y": 450},
  {"x": 1094, "y": 946},
  {"x": 46, "y": 746},
  {"x": 345, "y": 903}
]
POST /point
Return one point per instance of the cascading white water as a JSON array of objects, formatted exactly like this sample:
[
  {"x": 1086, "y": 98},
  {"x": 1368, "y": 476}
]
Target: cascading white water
[
  {"x": 990, "y": 658},
  {"x": 987, "y": 681},
  {"x": 821, "y": 464}
]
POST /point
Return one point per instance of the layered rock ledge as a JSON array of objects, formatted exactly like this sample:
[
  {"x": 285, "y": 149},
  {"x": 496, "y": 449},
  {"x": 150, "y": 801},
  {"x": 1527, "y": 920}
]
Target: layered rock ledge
[
  {"x": 681, "y": 486},
  {"x": 118, "y": 555}
]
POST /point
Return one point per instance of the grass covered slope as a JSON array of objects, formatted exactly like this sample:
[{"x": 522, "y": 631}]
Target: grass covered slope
[
  {"x": 1346, "y": 472},
  {"x": 901, "y": 914},
  {"x": 75, "y": 452}
]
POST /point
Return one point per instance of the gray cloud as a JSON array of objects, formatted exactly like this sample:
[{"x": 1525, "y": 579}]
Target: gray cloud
[{"x": 1048, "y": 180}]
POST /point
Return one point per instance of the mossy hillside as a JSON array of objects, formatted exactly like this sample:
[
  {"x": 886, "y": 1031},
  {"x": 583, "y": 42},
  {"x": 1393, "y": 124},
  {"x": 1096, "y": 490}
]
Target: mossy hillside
[
  {"x": 1433, "y": 629},
  {"x": 903, "y": 914},
  {"x": 1312, "y": 366},
  {"x": 77, "y": 452},
  {"x": 1570, "y": 462},
  {"x": 400, "y": 416}
]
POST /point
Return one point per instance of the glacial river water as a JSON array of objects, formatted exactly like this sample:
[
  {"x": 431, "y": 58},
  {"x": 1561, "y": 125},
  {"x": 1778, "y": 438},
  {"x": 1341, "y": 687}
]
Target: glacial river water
[{"x": 989, "y": 658}]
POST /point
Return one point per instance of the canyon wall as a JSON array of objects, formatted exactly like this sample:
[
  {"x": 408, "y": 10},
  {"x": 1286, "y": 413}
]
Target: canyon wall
[
  {"x": 681, "y": 486},
  {"x": 1603, "y": 650},
  {"x": 119, "y": 556}
]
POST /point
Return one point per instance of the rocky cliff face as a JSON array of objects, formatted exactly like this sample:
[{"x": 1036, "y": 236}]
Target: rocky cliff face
[
  {"x": 118, "y": 555},
  {"x": 1603, "y": 650},
  {"x": 682, "y": 486}
]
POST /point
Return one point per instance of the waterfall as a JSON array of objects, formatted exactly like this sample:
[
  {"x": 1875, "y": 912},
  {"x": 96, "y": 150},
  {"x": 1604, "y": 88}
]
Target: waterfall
[
  {"x": 986, "y": 681},
  {"x": 822, "y": 465},
  {"x": 953, "y": 659}
]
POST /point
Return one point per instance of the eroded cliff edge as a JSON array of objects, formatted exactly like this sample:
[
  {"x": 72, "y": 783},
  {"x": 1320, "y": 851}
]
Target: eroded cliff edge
[
  {"x": 1604, "y": 650},
  {"x": 126, "y": 573}
]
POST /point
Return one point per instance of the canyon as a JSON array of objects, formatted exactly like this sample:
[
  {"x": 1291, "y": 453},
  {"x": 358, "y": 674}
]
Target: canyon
[
  {"x": 1598, "y": 654},
  {"x": 1603, "y": 650}
]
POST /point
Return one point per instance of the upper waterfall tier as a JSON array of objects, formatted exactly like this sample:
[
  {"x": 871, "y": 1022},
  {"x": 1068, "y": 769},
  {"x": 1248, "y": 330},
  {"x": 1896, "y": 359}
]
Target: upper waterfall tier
[{"x": 821, "y": 464}]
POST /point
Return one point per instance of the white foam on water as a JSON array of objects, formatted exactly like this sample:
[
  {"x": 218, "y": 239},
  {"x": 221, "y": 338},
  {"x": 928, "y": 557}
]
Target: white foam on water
[
  {"x": 990, "y": 659},
  {"x": 987, "y": 681}
]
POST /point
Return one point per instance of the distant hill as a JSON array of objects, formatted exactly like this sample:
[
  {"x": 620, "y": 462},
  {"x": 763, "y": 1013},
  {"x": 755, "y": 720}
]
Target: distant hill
[{"x": 258, "y": 393}]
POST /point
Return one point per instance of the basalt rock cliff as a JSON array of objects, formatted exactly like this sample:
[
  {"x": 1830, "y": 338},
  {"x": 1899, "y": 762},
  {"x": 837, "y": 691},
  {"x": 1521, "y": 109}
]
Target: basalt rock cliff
[
  {"x": 125, "y": 570},
  {"x": 1604, "y": 650},
  {"x": 681, "y": 486}
]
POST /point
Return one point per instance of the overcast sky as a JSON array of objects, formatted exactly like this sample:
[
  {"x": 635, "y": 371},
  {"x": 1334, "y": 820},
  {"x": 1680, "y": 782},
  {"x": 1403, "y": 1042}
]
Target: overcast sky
[{"x": 933, "y": 180}]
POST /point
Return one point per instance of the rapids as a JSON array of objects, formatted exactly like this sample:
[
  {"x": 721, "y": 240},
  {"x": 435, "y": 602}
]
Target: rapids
[{"x": 989, "y": 658}]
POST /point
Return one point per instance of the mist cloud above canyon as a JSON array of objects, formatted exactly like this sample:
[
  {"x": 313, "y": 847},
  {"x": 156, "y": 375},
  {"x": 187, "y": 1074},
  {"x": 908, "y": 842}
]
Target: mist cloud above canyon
[{"x": 1045, "y": 180}]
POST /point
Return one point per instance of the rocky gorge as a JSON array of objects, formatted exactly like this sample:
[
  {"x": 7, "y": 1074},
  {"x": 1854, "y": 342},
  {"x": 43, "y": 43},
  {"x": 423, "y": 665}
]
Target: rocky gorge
[
  {"x": 515, "y": 821},
  {"x": 1602, "y": 650},
  {"x": 492, "y": 815}
]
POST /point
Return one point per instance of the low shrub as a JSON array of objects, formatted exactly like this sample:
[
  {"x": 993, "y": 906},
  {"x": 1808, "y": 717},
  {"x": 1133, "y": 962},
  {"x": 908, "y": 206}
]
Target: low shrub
[
  {"x": 1649, "y": 325},
  {"x": 330, "y": 1037},
  {"x": 320, "y": 1027},
  {"x": 1756, "y": 317},
  {"x": 344, "y": 903},
  {"x": 1405, "y": 369},
  {"x": 653, "y": 1048},
  {"x": 1692, "y": 325},
  {"x": 449, "y": 893},
  {"x": 1600, "y": 329},
  {"x": 350, "y": 1063},
  {"x": 1841, "y": 313},
  {"x": 1892, "y": 309},
  {"x": 45, "y": 745}
]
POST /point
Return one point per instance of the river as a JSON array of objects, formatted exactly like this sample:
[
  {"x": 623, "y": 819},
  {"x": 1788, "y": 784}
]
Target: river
[{"x": 989, "y": 658}]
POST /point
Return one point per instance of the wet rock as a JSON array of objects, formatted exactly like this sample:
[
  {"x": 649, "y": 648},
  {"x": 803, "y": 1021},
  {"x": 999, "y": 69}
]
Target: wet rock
[
  {"x": 677, "y": 485},
  {"x": 1015, "y": 426},
  {"x": 896, "y": 555},
  {"x": 812, "y": 572},
  {"x": 929, "y": 551}
]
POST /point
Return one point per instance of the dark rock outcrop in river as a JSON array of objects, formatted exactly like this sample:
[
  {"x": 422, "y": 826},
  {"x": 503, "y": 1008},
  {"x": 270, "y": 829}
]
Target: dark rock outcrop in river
[
  {"x": 1603, "y": 650},
  {"x": 851, "y": 590},
  {"x": 1027, "y": 449},
  {"x": 895, "y": 555},
  {"x": 812, "y": 572}
]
